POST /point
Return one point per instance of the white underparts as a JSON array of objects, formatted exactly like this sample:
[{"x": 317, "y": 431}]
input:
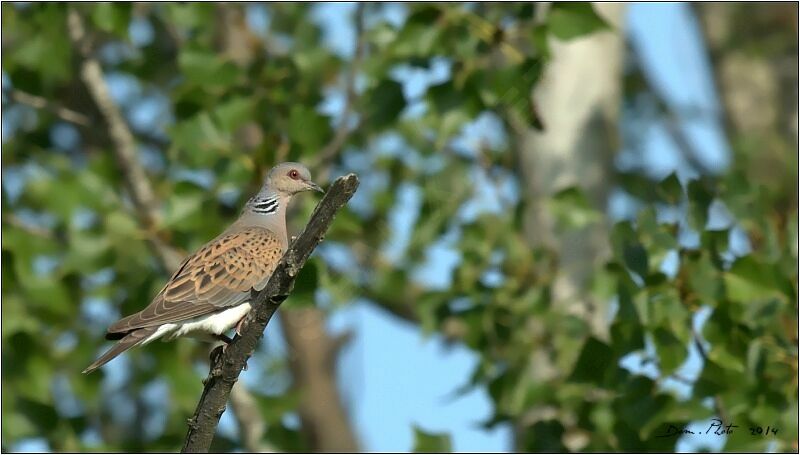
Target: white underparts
[{"x": 202, "y": 326}]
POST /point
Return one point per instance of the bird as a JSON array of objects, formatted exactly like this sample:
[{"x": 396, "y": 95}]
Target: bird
[{"x": 210, "y": 292}]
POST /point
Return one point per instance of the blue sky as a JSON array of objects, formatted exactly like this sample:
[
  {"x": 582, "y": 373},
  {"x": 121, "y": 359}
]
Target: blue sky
[{"x": 379, "y": 370}]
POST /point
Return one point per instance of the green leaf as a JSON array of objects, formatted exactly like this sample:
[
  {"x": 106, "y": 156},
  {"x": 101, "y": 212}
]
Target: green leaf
[
  {"x": 189, "y": 15},
  {"x": 700, "y": 198},
  {"x": 308, "y": 128},
  {"x": 112, "y": 17},
  {"x": 386, "y": 101},
  {"x": 544, "y": 436},
  {"x": 636, "y": 259},
  {"x": 572, "y": 210},
  {"x": 419, "y": 35},
  {"x": 199, "y": 140},
  {"x": 234, "y": 113},
  {"x": 567, "y": 21},
  {"x": 749, "y": 280},
  {"x": 670, "y": 189},
  {"x": 306, "y": 284},
  {"x": 704, "y": 278},
  {"x": 181, "y": 209},
  {"x": 671, "y": 351},
  {"x": 593, "y": 363},
  {"x": 206, "y": 69},
  {"x": 431, "y": 442}
]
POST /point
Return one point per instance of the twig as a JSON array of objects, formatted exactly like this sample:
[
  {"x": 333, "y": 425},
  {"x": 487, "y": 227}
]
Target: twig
[
  {"x": 38, "y": 231},
  {"x": 343, "y": 131},
  {"x": 226, "y": 366},
  {"x": 124, "y": 143},
  {"x": 39, "y": 102},
  {"x": 672, "y": 122},
  {"x": 718, "y": 406}
]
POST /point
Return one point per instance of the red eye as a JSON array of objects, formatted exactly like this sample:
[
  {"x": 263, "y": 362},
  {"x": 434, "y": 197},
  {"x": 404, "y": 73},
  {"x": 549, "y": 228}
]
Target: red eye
[{"x": 294, "y": 174}]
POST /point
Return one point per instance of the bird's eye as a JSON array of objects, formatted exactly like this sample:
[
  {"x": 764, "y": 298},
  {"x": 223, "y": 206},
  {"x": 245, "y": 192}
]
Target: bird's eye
[{"x": 294, "y": 174}]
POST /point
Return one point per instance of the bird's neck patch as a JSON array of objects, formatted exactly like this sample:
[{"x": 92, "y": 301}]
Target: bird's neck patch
[{"x": 265, "y": 206}]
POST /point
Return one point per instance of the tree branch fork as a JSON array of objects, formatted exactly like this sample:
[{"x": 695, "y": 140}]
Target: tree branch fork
[{"x": 227, "y": 365}]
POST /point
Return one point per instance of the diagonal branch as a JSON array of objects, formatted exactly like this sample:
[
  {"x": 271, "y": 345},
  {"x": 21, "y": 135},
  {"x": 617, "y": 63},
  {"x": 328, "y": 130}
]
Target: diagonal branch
[
  {"x": 38, "y": 102},
  {"x": 228, "y": 364},
  {"x": 671, "y": 120},
  {"x": 124, "y": 143},
  {"x": 719, "y": 407},
  {"x": 343, "y": 131}
]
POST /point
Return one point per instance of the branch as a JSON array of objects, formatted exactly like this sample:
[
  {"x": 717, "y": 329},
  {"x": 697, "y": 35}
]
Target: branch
[
  {"x": 38, "y": 102},
  {"x": 227, "y": 365},
  {"x": 31, "y": 229},
  {"x": 124, "y": 143},
  {"x": 718, "y": 405},
  {"x": 672, "y": 120},
  {"x": 343, "y": 131}
]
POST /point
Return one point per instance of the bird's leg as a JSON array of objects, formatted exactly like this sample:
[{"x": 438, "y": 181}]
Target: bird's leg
[
  {"x": 225, "y": 339},
  {"x": 239, "y": 326},
  {"x": 228, "y": 340}
]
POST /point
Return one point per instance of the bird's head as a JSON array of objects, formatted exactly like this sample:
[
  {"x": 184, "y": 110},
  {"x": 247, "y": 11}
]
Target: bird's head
[{"x": 291, "y": 178}]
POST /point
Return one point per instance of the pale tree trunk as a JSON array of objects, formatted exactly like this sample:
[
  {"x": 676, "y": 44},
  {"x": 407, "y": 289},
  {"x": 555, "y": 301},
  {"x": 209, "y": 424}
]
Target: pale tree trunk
[{"x": 578, "y": 99}]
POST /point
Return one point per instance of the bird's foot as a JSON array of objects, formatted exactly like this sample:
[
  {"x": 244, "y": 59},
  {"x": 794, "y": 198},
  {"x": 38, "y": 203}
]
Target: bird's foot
[
  {"x": 215, "y": 355},
  {"x": 239, "y": 326},
  {"x": 227, "y": 341}
]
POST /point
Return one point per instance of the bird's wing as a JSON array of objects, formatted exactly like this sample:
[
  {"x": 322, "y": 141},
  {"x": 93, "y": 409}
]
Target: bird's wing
[{"x": 219, "y": 275}]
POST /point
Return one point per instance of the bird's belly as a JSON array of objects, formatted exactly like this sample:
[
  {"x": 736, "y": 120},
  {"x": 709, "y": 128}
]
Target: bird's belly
[{"x": 215, "y": 323}]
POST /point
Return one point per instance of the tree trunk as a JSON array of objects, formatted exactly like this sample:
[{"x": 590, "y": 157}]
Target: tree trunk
[
  {"x": 578, "y": 100},
  {"x": 312, "y": 359},
  {"x": 753, "y": 50}
]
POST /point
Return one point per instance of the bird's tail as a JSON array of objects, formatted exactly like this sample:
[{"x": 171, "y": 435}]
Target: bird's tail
[{"x": 130, "y": 340}]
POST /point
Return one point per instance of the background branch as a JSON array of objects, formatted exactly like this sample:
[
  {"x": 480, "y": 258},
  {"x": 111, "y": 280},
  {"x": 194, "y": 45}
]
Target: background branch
[
  {"x": 121, "y": 136},
  {"x": 327, "y": 154},
  {"x": 672, "y": 119},
  {"x": 226, "y": 366},
  {"x": 249, "y": 420},
  {"x": 38, "y": 102}
]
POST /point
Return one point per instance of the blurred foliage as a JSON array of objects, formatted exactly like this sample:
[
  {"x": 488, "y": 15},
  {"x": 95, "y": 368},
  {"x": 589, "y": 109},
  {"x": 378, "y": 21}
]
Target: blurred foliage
[
  {"x": 431, "y": 442},
  {"x": 236, "y": 104}
]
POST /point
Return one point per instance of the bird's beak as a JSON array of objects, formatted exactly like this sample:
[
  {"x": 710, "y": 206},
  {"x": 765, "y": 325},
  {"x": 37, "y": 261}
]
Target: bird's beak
[{"x": 313, "y": 186}]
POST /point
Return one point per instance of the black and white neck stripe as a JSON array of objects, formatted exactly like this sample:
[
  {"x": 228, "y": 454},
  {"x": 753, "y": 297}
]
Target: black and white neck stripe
[{"x": 265, "y": 206}]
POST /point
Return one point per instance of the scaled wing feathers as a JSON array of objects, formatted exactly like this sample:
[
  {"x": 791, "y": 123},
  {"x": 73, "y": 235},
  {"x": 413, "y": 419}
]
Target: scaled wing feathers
[{"x": 221, "y": 274}]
